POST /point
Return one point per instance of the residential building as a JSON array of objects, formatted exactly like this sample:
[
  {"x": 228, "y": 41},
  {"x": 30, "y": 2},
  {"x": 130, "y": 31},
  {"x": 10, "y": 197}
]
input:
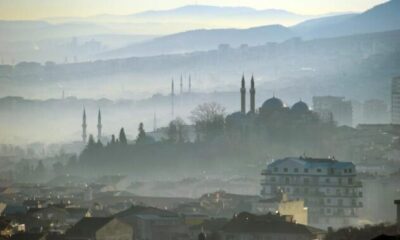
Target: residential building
[
  {"x": 395, "y": 98},
  {"x": 249, "y": 226},
  {"x": 95, "y": 228},
  {"x": 338, "y": 108},
  {"x": 329, "y": 188}
]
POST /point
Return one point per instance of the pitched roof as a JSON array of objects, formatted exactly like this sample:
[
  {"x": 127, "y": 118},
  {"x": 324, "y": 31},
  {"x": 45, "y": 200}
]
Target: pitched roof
[
  {"x": 142, "y": 210},
  {"x": 250, "y": 223},
  {"x": 87, "y": 227}
]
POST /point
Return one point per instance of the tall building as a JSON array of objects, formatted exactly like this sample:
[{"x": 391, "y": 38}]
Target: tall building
[
  {"x": 84, "y": 127},
  {"x": 329, "y": 188},
  {"x": 99, "y": 126},
  {"x": 395, "y": 107},
  {"x": 375, "y": 111},
  {"x": 338, "y": 108},
  {"x": 243, "y": 97}
]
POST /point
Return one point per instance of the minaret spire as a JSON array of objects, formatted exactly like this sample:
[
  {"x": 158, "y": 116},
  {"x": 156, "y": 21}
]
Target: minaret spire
[
  {"x": 181, "y": 86},
  {"x": 84, "y": 126},
  {"x": 172, "y": 99},
  {"x": 252, "y": 96},
  {"x": 243, "y": 96},
  {"x": 99, "y": 126},
  {"x": 190, "y": 84}
]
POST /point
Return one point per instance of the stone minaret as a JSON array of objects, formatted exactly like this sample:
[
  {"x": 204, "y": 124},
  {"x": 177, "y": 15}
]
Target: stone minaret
[
  {"x": 99, "y": 126},
  {"x": 172, "y": 99},
  {"x": 84, "y": 126},
  {"x": 181, "y": 86},
  {"x": 190, "y": 84},
  {"x": 243, "y": 97},
  {"x": 252, "y": 96}
]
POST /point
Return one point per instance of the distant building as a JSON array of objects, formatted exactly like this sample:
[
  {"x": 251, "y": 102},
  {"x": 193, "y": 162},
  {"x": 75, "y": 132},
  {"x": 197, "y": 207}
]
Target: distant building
[
  {"x": 151, "y": 223},
  {"x": 375, "y": 111},
  {"x": 328, "y": 187},
  {"x": 96, "y": 228},
  {"x": 395, "y": 98},
  {"x": 329, "y": 107}
]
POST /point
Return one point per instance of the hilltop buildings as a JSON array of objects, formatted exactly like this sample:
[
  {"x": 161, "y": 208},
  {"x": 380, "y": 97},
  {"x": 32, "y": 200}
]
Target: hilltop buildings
[{"x": 329, "y": 188}]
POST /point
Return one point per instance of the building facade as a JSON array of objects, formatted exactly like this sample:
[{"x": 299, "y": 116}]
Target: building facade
[
  {"x": 329, "y": 188},
  {"x": 334, "y": 107},
  {"x": 395, "y": 98}
]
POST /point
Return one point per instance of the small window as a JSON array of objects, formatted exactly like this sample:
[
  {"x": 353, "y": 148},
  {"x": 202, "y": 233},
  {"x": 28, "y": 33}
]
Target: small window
[
  {"x": 296, "y": 170},
  {"x": 306, "y": 180},
  {"x": 272, "y": 179},
  {"x": 345, "y": 171},
  {"x": 327, "y": 180},
  {"x": 275, "y": 169},
  {"x": 285, "y": 170},
  {"x": 350, "y": 170},
  {"x": 328, "y": 200},
  {"x": 318, "y": 169},
  {"x": 306, "y": 170}
]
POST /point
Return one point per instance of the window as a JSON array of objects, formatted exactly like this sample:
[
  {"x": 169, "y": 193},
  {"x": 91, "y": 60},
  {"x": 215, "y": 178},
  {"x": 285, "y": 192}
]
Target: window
[
  {"x": 306, "y": 180},
  {"x": 327, "y": 180},
  {"x": 328, "y": 200},
  {"x": 306, "y": 170},
  {"x": 287, "y": 180},
  {"x": 340, "y": 202},
  {"x": 319, "y": 170},
  {"x": 275, "y": 169},
  {"x": 272, "y": 179},
  {"x": 350, "y": 170},
  {"x": 285, "y": 170},
  {"x": 345, "y": 170},
  {"x": 350, "y": 181},
  {"x": 296, "y": 170}
]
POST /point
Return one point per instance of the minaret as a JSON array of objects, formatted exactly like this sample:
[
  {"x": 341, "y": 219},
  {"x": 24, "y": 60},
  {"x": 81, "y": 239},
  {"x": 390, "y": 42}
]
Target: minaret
[
  {"x": 190, "y": 84},
  {"x": 172, "y": 99},
  {"x": 181, "y": 86},
  {"x": 84, "y": 126},
  {"x": 252, "y": 96},
  {"x": 99, "y": 126},
  {"x": 243, "y": 97},
  {"x": 155, "y": 122}
]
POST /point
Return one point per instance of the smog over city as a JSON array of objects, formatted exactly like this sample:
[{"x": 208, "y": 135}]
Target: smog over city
[{"x": 199, "y": 120}]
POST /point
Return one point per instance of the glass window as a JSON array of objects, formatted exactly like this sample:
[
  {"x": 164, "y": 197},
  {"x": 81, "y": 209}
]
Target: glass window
[
  {"x": 296, "y": 170},
  {"x": 285, "y": 170},
  {"x": 306, "y": 170}
]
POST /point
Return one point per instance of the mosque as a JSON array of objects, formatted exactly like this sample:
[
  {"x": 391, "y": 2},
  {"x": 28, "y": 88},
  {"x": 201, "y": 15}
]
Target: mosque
[{"x": 272, "y": 111}]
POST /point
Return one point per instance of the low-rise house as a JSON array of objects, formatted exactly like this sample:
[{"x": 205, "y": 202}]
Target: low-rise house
[
  {"x": 249, "y": 226},
  {"x": 95, "y": 228},
  {"x": 152, "y": 223}
]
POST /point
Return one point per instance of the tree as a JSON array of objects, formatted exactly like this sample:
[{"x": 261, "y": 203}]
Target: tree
[
  {"x": 141, "y": 138},
  {"x": 122, "y": 137},
  {"x": 209, "y": 120},
  {"x": 176, "y": 131}
]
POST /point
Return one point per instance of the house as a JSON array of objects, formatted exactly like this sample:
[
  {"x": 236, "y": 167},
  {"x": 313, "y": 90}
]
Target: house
[
  {"x": 154, "y": 224},
  {"x": 29, "y": 236},
  {"x": 249, "y": 226},
  {"x": 98, "y": 228}
]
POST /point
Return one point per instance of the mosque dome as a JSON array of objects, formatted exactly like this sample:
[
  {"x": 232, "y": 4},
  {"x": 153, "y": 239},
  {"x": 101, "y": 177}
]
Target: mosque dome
[
  {"x": 300, "y": 107},
  {"x": 235, "y": 118},
  {"x": 272, "y": 104}
]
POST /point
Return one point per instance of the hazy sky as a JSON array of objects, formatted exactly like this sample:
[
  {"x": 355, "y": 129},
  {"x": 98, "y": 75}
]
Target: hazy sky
[{"x": 34, "y": 9}]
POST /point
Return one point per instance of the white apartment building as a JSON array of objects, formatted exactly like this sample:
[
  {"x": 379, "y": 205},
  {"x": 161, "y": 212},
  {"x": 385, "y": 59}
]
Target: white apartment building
[{"x": 329, "y": 188}]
